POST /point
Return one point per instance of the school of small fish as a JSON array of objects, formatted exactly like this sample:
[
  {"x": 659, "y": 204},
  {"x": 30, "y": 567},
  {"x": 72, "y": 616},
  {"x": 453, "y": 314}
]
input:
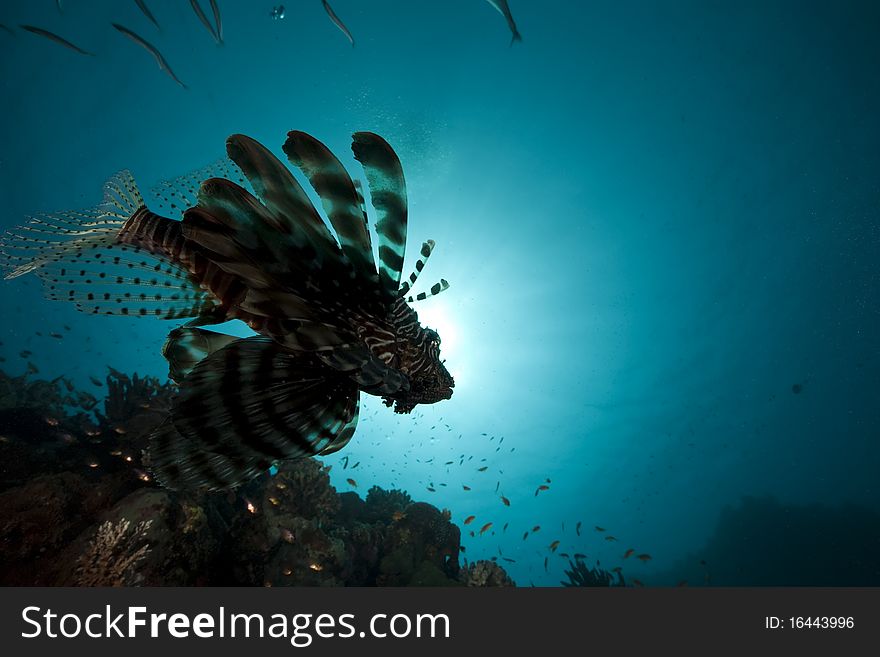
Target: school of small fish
[{"x": 213, "y": 25}]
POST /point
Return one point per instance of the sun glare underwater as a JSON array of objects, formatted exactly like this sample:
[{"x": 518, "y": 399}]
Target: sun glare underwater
[{"x": 656, "y": 362}]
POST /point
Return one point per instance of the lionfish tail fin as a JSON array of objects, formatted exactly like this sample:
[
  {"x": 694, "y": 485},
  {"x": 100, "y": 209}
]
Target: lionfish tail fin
[
  {"x": 48, "y": 237},
  {"x": 114, "y": 259},
  {"x": 244, "y": 408}
]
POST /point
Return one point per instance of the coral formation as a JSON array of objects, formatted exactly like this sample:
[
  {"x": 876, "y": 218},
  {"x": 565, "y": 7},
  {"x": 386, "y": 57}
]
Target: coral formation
[
  {"x": 113, "y": 555},
  {"x": 579, "y": 574},
  {"x": 78, "y": 507}
]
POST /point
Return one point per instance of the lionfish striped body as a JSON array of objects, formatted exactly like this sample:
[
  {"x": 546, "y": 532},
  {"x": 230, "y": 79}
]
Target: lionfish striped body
[{"x": 330, "y": 321}]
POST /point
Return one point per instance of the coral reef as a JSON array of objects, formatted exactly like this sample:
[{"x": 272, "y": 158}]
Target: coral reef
[
  {"x": 579, "y": 574},
  {"x": 485, "y": 573},
  {"x": 78, "y": 508}
]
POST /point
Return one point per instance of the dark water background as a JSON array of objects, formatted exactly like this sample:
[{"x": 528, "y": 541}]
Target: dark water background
[{"x": 659, "y": 220}]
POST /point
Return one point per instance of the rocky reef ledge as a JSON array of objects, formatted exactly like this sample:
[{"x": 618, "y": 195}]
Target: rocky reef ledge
[{"x": 78, "y": 508}]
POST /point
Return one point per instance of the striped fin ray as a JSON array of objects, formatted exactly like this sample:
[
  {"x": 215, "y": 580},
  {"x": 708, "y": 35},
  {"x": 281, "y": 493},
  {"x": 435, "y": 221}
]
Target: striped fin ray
[
  {"x": 245, "y": 407},
  {"x": 48, "y": 237},
  {"x": 173, "y": 196},
  {"x": 436, "y": 289},
  {"x": 121, "y": 279},
  {"x": 388, "y": 196},
  {"x": 296, "y": 219},
  {"x": 340, "y": 201},
  {"x": 424, "y": 253}
]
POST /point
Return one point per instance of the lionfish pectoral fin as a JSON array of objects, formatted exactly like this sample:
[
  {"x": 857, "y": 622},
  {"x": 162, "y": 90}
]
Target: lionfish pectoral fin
[
  {"x": 245, "y": 407},
  {"x": 388, "y": 196},
  {"x": 98, "y": 260},
  {"x": 344, "y": 436},
  {"x": 187, "y": 346}
]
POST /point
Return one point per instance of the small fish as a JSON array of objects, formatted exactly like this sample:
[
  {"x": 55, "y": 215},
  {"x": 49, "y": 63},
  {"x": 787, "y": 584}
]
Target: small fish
[
  {"x": 355, "y": 465},
  {"x": 637, "y": 582},
  {"x": 96, "y": 381},
  {"x": 217, "y": 21},
  {"x": 483, "y": 469},
  {"x": 628, "y": 553},
  {"x": 616, "y": 569},
  {"x": 506, "y": 525},
  {"x": 57, "y": 336},
  {"x": 505, "y": 501},
  {"x": 160, "y": 60},
  {"x": 397, "y": 516},
  {"x": 644, "y": 557},
  {"x": 504, "y": 10},
  {"x": 345, "y": 465},
  {"x": 337, "y": 22},
  {"x": 497, "y": 486},
  {"x": 465, "y": 487},
  {"x": 536, "y": 528},
  {"x": 432, "y": 490},
  {"x": 485, "y": 528},
  {"x": 6, "y": 29},
  {"x": 540, "y": 488},
  {"x": 32, "y": 369},
  {"x": 204, "y": 19},
  {"x": 546, "y": 561},
  {"x": 610, "y": 538},
  {"x": 577, "y": 529},
  {"x": 352, "y": 482},
  {"x": 580, "y": 555},
  {"x": 51, "y": 421},
  {"x": 57, "y": 39},
  {"x": 146, "y": 11},
  {"x": 25, "y": 353},
  {"x": 599, "y": 529},
  {"x": 553, "y": 546},
  {"x": 509, "y": 560},
  {"x": 469, "y": 520}
]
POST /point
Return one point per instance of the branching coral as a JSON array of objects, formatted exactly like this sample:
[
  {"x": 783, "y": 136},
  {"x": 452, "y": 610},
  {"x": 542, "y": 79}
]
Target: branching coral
[
  {"x": 579, "y": 574},
  {"x": 128, "y": 396},
  {"x": 381, "y": 504},
  {"x": 112, "y": 555}
]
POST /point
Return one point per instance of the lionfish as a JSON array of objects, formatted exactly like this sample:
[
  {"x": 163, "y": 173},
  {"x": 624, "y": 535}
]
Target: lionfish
[{"x": 331, "y": 321}]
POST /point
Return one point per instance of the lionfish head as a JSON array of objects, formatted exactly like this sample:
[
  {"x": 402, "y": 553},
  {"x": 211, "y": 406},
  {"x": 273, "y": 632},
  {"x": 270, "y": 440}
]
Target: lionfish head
[{"x": 419, "y": 358}]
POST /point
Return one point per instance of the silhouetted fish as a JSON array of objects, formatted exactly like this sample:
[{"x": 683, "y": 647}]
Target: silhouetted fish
[
  {"x": 54, "y": 37},
  {"x": 504, "y": 10},
  {"x": 204, "y": 19},
  {"x": 146, "y": 11},
  {"x": 218, "y": 22},
  {"x": 160, "y": 60},
  {"x": 6, "y": 29},
  {"x": 337, "y": 21},
  {"x": 332, "y": 319}
]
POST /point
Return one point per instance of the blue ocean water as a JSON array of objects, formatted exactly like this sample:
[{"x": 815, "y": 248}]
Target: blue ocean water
[{"x": 659, "y": 222}]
